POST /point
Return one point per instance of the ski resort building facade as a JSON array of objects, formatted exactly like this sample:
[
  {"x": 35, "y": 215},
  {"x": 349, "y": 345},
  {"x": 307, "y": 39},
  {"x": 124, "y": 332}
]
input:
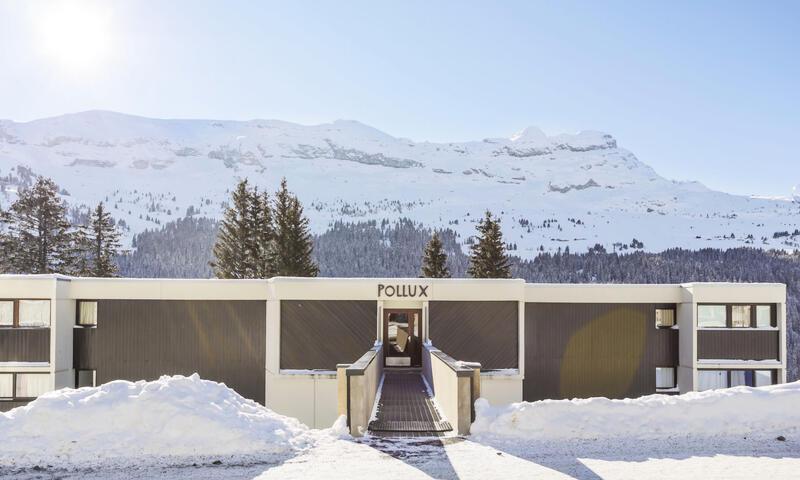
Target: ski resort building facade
[{"x": 315, "y": 348}]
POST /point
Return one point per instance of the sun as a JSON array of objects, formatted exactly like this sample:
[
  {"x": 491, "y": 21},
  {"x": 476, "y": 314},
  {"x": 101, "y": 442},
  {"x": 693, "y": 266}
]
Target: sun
[{"x": 76, "y": 35}]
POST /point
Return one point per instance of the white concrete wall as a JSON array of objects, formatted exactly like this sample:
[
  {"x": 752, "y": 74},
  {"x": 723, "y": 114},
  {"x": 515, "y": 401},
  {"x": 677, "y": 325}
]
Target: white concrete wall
[
  {"x": 311, "y": 398},
  {"x": 501, "y": 389}
]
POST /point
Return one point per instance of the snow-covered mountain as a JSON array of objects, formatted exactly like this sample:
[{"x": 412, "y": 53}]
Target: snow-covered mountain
[{"x": 551, "y": 191}]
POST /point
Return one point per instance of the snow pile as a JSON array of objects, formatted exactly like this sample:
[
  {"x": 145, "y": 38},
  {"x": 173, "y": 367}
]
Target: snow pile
[
  {"x": 727, "y": 412},
  {"x": 171, "y": 417}
]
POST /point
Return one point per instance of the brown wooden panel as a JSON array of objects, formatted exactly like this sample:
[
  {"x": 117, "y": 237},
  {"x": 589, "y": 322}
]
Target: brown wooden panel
[
  {"x": 586, "y": 350},
  {"x": 84, "y": 343},
  {"x": 751, "y": 344},
  {"x": 24, "y": 344},
  {"x": 221, "y": 340},
  {"x": 318, "y": 334},
  {"x": 7, "y": 405},
  {"x": 485, "y": 332}
]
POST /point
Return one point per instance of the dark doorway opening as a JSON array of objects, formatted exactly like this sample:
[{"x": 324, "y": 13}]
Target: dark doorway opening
[{"x": 402, "y": 337}]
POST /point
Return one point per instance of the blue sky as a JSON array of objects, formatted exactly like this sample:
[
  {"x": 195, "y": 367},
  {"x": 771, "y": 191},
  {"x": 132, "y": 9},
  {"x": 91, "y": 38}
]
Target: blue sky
[{"x": 699, "y": 90}]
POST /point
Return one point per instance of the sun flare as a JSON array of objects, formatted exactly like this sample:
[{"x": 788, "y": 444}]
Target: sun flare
[{"x": 76, "y": 35}]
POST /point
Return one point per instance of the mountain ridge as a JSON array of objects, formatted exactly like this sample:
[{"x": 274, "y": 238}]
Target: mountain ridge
[{"x": 551, "y": 191}]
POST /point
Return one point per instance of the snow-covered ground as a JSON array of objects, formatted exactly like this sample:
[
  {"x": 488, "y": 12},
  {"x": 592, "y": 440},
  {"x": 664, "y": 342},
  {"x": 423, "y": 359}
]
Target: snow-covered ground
[
  {"x": 163, "y": 429},
  {"x": 550, "y": 191}
]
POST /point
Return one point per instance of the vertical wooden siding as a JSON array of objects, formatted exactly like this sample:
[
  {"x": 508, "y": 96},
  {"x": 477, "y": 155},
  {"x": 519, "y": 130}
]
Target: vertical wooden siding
[
  {"x": 84, "y": 343},
  {"x": 224, "y": 341},
  {"x": 7, "y": 405},
  {"x": 24, "y": 345},
  {"x": 585, "y": 350},
  {"x": 485, "y": 332},
  {"x": 318, "y": 334},
  {"x": 742, "y": 344}
]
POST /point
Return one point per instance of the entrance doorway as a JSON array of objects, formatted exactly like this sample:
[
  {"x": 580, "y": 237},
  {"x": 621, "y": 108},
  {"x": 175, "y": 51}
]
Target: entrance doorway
[{"x": 402, "y": 341}]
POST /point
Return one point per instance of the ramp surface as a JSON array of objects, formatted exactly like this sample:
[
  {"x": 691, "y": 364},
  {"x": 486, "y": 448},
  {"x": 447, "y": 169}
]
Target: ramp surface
[{"x": 405, "y": 407}]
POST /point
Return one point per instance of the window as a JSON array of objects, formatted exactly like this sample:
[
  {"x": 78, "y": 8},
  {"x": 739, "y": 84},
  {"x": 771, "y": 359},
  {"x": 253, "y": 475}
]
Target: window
[
  {"x": 84, "y": 378},
  {"x": 665, "y": 377},
  {"x": 6, "y": 313},
  {"x": 34, "y": 313},
  {"x": 31, "y": 385},
  {"x": 742, "y": 378},
  {"x": 87, "y": 313},
  {"x": 763, "y": 316},
  {"x": 763, "y": 378},
  {"x": 711, "y": 379},
  {"x": 6, "y": 385},
  {"x": 665, "y": 317},
  {"x": 740, "y": 316},
  {"x": 711, "y": 316}
]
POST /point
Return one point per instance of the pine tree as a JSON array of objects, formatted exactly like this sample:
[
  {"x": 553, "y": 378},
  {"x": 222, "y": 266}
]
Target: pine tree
[
  {"x": 293, "y": 245},
  {"x": 434, "y": 261},
  {"x": 40, "y": 239},
  {"x": 263, "y": 235},
  {"x": 103, "y": 242},
  {"x": 233, "y": 249},
  {"x": 488, "y": 258}
]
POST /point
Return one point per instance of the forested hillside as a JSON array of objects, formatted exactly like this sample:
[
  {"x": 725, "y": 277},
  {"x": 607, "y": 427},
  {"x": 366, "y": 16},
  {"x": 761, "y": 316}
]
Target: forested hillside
[{"x": 371, "y": 249}]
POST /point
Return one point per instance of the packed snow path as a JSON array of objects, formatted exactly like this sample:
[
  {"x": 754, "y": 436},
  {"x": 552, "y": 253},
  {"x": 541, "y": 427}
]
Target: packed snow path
[
  {"x": 481, "y": 459},
  {"x": 405, "y": 407}
]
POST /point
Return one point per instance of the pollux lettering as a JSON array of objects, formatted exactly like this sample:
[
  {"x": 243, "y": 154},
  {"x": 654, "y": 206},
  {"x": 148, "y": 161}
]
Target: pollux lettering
[{"x": 403, "y": 291}]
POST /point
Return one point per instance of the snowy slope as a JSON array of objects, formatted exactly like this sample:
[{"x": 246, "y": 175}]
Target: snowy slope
[
  {"x": 178, "y": 417},
  {"x": 694, "y": 414},
  {"x": 593, "y": 191}
]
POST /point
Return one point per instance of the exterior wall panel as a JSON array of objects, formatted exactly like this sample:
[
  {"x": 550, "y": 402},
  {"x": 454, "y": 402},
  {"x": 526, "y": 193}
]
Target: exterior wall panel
[
  {"x": 84, "y": 347},
  {"x": 25, "y": 345},
  {"x": 731, "y": 344},
  {"x": 318, "y": 334},
  {"x": 586, "y": 350},
  {"x": 221, "y": 340},
  {"x": 8, "y": 405},
  {"x": 485, "y": 332}
]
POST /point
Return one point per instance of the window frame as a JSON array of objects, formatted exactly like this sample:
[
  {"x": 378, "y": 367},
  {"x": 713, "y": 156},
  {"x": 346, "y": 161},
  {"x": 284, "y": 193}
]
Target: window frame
[
  {"x": 14, "y": 397},
  {"x": 78, "y": 313},
  {"x": 674, "y": 378},
  {"x": 727, "y": 315},
  {"x": 773, "y": 374},
  {"x": 753, "y": 325},
  {"x": 674, "y": 310},
  {"x": 25, "y": 399},
  {"x": 77, "y": 376},
  {"x": 15, "y": 323}
]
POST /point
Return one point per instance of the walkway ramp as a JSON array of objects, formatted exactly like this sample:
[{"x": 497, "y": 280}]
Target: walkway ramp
[{"x": 406, "y": 408}]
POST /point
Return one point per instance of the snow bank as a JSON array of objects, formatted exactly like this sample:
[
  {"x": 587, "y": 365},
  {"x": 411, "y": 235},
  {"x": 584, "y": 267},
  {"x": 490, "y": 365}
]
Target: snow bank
[
  {"x": 735, "y": 411},
  {"x": 170, "y": 417}
]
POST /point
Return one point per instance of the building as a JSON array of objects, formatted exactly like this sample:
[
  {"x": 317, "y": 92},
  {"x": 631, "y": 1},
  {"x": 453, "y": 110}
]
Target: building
[{"x": 280, "y": 341}]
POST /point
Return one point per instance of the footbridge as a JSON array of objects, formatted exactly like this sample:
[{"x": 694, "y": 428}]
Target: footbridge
[{"x": 436, "y": 399}]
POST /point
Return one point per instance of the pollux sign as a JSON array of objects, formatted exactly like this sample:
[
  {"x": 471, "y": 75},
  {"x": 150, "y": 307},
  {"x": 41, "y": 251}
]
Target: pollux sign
[{"x": 403, "y": 291}]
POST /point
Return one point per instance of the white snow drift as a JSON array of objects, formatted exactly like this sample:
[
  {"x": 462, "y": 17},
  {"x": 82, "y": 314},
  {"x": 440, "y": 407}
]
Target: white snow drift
[
  {"x": 170, "y": 417},
  {"x": 736, "y": 411}
]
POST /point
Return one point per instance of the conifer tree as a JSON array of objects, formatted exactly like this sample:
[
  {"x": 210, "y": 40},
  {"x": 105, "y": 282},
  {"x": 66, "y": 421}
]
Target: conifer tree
[
  {"x": 434, "y": 261},
  {"x": 5, "y": 244},
  {"x": 293, "y": 245},
  {"x": 102, "y": 240},
  {"x": 233, "y": 249},
  {"x": 488, "y": 258},
  {"x": 263, "y": 235},
  {"x": 39, "y": 237}
]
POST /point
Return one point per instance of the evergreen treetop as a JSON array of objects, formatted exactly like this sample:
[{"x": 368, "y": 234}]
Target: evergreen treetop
[
  {"x": 488, "y": 257},
  {"x": 293, "y": 247},
  {"x": 39, "y": 238},
  {"x": 232, "y": 250},
  {"x": 434, "y": 260},
  {"x": 103, "y": 239}
]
